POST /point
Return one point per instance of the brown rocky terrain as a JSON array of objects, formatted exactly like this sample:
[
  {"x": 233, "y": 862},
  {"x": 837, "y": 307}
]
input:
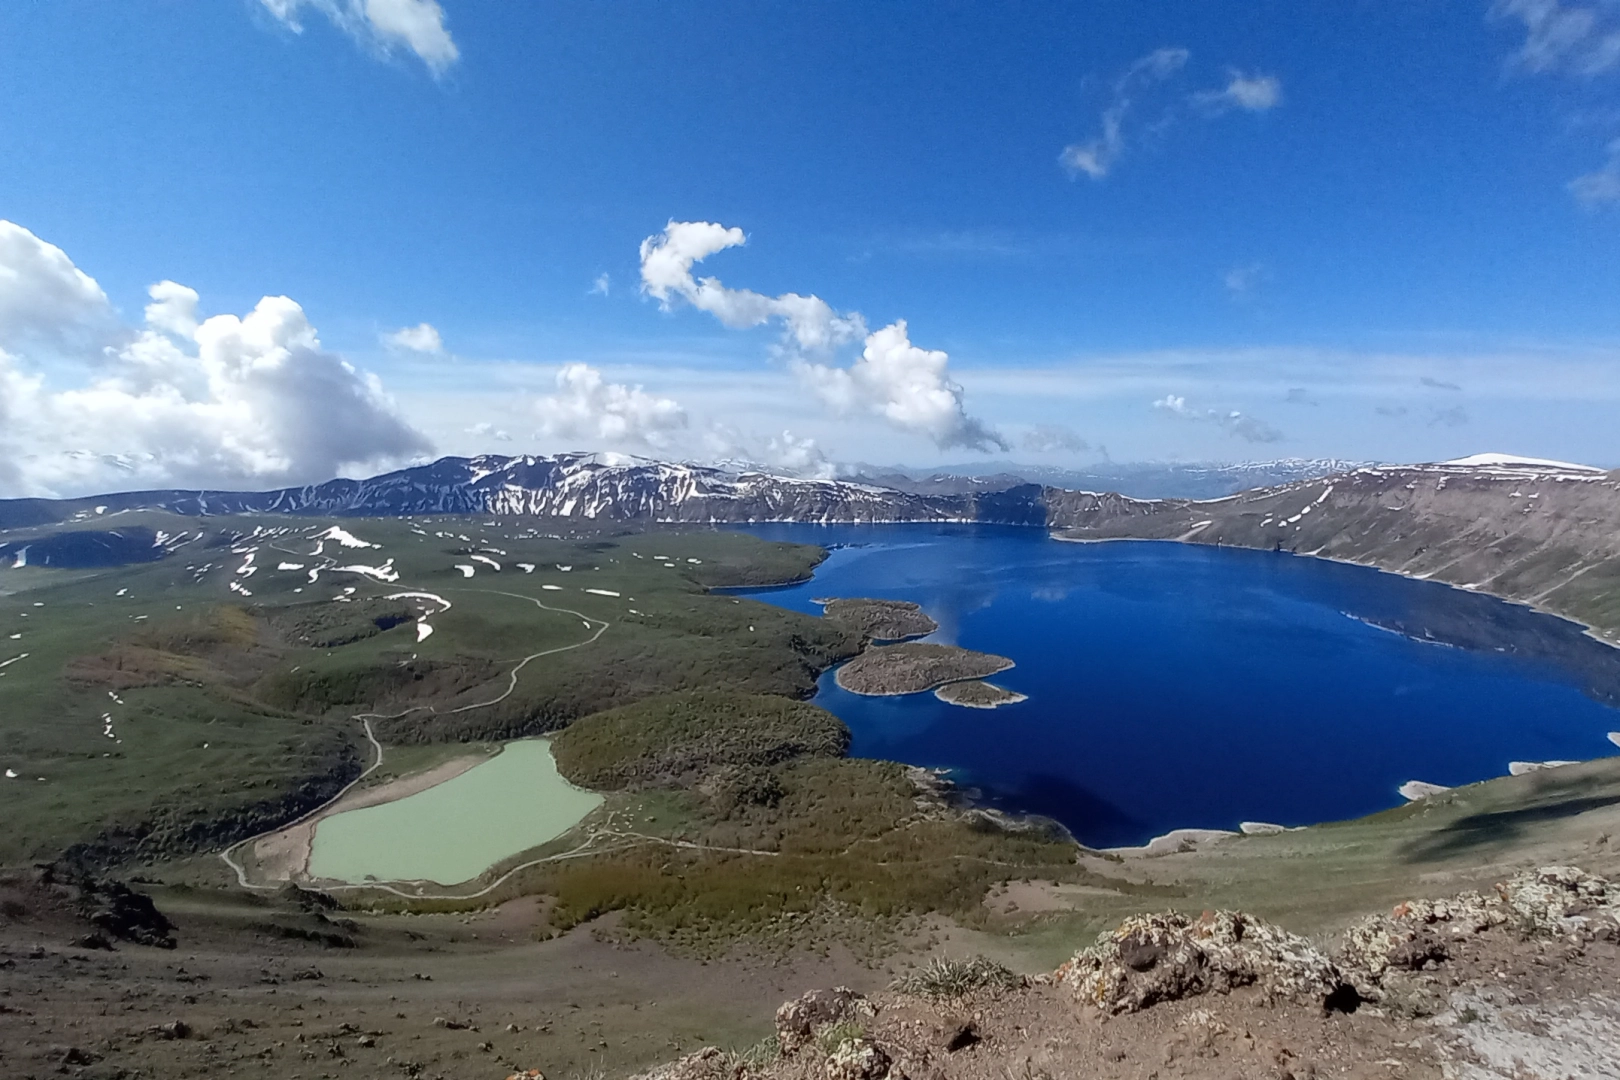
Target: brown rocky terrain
[{"x": 1515, "y": 984}]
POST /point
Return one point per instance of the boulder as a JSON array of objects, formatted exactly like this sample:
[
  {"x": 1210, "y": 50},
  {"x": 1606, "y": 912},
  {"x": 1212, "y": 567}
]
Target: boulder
[
  {"x": 1169, "y": 956},
  {"x": 798, "y": 1021},
  {"x": 857, "y": 1059}
]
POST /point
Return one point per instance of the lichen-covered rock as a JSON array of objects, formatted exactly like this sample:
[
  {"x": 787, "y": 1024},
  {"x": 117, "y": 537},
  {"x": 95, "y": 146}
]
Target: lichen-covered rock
[
  {"x": 857, "y": 1059},
  {"x": 1560, "y": 899},
  {"x": 1169, "y": 956},
  {"x": 1557, "y": 900},
  {"x": 798, "y": 1021},
  {"x": 710, "y": 1063},
  {"x": 1415, "y": 933}
]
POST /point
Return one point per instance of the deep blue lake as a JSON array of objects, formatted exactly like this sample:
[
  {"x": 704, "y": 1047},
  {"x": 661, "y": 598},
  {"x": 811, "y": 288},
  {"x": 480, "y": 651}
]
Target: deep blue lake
[{"x": 1177, "y": 686}]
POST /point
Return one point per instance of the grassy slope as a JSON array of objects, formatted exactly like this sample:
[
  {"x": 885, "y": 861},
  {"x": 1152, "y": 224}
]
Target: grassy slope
[
  {"x": 675, "y": 739},
  {"x": 216, "y": 739}
]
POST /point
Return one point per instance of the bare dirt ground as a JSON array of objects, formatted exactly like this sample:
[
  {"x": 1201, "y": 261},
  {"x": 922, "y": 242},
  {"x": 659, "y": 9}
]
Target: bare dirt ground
[{"x": 284, "y": 856}]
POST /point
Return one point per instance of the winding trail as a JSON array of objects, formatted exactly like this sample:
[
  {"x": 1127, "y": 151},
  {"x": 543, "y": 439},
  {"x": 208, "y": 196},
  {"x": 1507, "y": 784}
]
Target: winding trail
[{"x": 365, "y": 719}]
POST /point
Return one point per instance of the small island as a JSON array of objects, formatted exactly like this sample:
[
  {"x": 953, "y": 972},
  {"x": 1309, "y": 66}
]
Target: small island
[
  {"x": 880, "y": 620},
  {"x": 913, "y": 667},
  {"x": 978, "y": 694}
]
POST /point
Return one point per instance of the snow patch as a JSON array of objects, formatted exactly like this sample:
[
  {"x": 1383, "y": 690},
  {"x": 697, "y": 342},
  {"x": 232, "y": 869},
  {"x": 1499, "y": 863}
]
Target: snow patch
[
  {"x": 467, "y": 570},
  {"x": 344, "y": 537}
]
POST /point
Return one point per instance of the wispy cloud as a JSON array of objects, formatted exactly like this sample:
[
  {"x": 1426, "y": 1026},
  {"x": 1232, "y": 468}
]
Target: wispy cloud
[
  {"x": 1237, "y": 424},
  {"x": 1049, "y": 438},
  {"x": 1602, "y": 185},
  {"x": 1438, "y": 384},
  {"x": 1571, "y": 39},
  {"x": 1251, "y": 93},
  {"x": 417, "y": 26},
  {"x": 600, "y": 286},
  {"x": 1242, "y": 280},
  {"x": 1456, "y": 416},
  {"x": 1097, "y": 156}
]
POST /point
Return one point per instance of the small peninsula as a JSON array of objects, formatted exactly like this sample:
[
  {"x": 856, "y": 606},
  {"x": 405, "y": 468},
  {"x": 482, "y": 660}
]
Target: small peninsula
[
  {"x": 913, "y": 667},
  {"x": 978, "y": 694},
  {"x": 880, "y": 620}
]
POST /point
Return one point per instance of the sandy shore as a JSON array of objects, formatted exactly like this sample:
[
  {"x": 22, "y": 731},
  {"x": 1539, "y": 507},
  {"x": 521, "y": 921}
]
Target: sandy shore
[{"x": 284, "y": 856}]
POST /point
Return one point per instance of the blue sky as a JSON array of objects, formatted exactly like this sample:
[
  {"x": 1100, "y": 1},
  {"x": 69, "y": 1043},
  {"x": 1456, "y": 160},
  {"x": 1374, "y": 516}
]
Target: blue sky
[{"x": 1377, "y": 229}]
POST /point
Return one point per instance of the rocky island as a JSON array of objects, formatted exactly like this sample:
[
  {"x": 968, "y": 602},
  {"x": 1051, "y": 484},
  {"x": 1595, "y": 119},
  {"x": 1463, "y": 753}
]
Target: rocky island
[
  {"x": 880, "y": 620},
  {"x": 913, "y": 667},
  {"x": 978, "y": 694}
]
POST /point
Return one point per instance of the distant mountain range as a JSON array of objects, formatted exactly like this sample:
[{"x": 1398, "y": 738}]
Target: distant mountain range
[
  {"x": 610, "y": 488},
  {"x": 1141, "y": 480}
]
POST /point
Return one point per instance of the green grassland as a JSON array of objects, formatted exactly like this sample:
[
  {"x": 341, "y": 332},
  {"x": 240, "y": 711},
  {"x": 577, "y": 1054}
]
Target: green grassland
[{"x": 233, "y": 710}]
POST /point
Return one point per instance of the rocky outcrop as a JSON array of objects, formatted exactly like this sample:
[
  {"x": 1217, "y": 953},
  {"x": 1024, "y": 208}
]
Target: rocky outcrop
[
  {"x": 799, "y": 1021},
  {"x": 1166, "y": 957},
  {"x": 1520, "y": 984}
]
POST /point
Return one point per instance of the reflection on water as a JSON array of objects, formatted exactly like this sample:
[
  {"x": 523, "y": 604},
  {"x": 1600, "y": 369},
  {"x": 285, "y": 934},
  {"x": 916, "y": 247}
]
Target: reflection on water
[{"x": 1173, "y": 685}]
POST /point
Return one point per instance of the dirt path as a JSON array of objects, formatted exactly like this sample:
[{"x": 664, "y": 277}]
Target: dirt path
[
  {"x": 284, "y": 855},
  {"x": 292, "y": 852}
]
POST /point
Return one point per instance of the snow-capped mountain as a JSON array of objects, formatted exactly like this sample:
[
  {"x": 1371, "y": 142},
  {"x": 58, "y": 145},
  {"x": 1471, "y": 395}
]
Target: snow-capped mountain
[{"x": 609, "y": 488}]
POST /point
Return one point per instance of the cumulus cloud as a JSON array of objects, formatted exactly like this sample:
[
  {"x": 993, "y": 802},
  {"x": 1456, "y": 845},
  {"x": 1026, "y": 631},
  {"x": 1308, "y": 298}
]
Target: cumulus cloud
[
  {"x": 666, "y": 275},
  {"x": 1251, "y": 93},
  {"x": 227, "y": 401},
  {"x": 1238, "y": 425},
  {"x": 1574, "y": 39},
  {"x": 383, "y": 25},
  {"x": 1046, "y": 438},
  {"x": 588, "y": 408},
  {"x": 43, "y": 296},
  {"x": 786, "y": 453},
  {"x": 486, "y": 430},
  {"x": 906, "y": 385},
  {"x": 421, "y": 338},
  {"x": 1097, "y": 156}
]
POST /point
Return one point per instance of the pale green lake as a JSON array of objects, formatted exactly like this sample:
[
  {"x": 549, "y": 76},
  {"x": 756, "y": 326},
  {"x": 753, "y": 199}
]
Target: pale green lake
[{"x": 458, "y": 829}]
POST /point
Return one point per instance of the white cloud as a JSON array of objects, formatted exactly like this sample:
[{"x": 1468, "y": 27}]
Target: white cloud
[
  {"x": 666, "y": 274},
  {"x": 43, "y": 296},
  {"x": 1096, "y": 157},
  {"x": 786, "y": 452},
  {"x": 1239, "y": 425},
  {"x": 906, "y": 385},
  {"x": 1251, "y": 93},
  {"x": 1241, "y": 280},
  {"x": 601, "y": 286},
  {"x": 1602, "y": 185},
  {"x": 416, "y": 25},
  {"x": 587, "y": 407},
  {"x": 1050, "y": 438},
  {"x": 486, "y": 430},
  {"x": 1573, "y": 39},
  {"x": 227, "y": 402},
  {"x": 422, "y": 338}
]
